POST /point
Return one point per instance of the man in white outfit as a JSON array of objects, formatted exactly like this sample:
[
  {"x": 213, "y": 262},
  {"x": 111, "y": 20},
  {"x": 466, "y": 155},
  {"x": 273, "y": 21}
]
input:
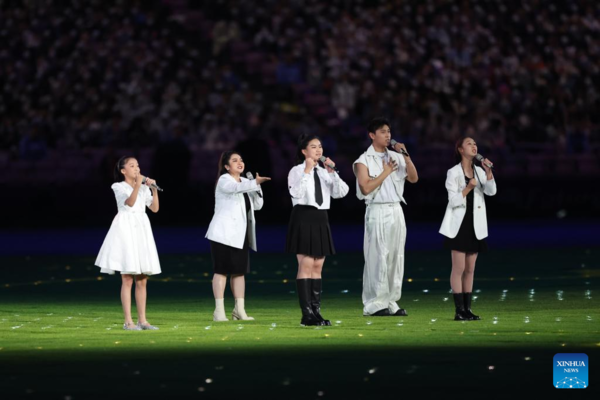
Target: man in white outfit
[{"x": 380, "y": 176}]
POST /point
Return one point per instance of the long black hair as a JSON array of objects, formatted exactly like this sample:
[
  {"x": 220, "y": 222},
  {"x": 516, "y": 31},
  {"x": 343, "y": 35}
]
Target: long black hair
[
  {"x": 119, "y": 177},
  {"x": 458, "y": 157},
  {"x": 303, "y": 142},
  {"x": 457, "y": 145},
  {"x": 224, "y": 161}
]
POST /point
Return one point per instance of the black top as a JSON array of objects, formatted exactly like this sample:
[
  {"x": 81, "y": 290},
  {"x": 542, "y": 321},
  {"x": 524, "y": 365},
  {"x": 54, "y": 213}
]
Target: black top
[
  {"x": 465, "y": 239},
  {"x": 247, "y": 202}
]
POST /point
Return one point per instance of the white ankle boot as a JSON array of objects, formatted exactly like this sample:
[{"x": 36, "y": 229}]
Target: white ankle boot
[
  {"x": 239, "y": 312},
  {"x": 219, "y": 314}
]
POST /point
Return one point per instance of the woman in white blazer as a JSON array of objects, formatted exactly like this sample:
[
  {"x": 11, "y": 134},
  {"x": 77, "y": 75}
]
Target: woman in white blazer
[
  {"x": 232, "y": 232},
  {"x": 465, "y": 222}
]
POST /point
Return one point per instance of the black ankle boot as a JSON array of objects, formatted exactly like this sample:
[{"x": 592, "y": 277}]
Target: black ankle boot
[
  {"x": 308, "y": 317},
  {"x": 460, "y": 314},
  {"x": 467, "y": 302},
  {"x": 315, "y": 301}
]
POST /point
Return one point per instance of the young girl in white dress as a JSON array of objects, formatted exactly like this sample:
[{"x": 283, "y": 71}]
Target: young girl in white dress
[{"x": 129, "y": 246}]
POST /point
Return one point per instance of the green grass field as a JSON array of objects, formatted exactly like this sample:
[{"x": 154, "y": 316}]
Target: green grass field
[{"x": 61, "y": 335}]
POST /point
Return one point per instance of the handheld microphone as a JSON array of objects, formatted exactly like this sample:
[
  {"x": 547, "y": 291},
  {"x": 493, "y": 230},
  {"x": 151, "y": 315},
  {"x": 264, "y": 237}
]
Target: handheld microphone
[
  {"x": 154, "y": 185},
  {"x": 480, "y": 158},
  {"x": 251, "y": 177},
  {"x": 402, "y": 151},
  {"x": 333, "y": 167}
]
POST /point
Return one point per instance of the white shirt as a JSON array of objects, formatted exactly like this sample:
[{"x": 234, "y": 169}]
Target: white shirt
[
  {"x": 387, "y": 193},
  {"x": 392, "y": 186},
  {"x": 302, "y": 186},
  {"x": 122, "y": 192}
]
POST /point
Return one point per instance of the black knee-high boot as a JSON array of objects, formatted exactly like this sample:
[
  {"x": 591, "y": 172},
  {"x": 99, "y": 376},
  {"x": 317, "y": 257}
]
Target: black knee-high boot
[
  {"x": 315, "y": 301},
  {"x": 467, "y": 301},
  {"x": 460, "y": 314},
  {"x": 303, "y": 287}
]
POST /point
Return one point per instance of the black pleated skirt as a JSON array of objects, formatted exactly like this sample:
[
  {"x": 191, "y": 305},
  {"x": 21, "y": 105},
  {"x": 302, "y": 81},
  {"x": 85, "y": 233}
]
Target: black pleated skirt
[{"x": 309, "y": 232}]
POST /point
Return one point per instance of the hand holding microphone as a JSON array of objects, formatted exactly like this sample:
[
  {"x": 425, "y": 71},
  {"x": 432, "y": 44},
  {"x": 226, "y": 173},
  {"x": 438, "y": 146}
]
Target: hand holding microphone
[
  {"x": 328, "y": 163},
  {"x": 150, "y": 183},
  {"x": 484, "y": 161},
  {"x": 399, "y": 147}
]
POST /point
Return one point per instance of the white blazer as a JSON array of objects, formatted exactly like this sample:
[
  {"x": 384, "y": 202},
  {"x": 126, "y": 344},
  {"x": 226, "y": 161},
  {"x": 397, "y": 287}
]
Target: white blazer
[
  {"x": 457, "y": 204},
  {"x": 228, "y": 225}
]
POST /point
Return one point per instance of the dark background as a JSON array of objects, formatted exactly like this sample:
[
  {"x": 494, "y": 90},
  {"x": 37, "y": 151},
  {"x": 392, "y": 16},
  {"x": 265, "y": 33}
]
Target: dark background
[{"x": 174, "y": 83}]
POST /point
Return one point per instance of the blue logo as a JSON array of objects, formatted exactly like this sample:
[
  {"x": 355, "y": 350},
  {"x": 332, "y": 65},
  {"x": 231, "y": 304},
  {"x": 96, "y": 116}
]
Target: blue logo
[{"x": 571, "y": 371}]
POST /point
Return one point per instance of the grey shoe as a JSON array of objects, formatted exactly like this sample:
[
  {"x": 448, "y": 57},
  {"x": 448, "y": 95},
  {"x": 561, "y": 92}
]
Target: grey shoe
[
  {"x": 131, "y": 327},
  {"x": 147, "y": 327}
]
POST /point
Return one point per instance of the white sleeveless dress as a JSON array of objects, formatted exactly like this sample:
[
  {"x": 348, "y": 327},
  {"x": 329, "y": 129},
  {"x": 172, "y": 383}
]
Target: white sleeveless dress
[{"x": 129, "y": 246}]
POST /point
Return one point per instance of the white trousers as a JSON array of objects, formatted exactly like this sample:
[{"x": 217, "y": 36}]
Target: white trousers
[{"x": 385, "y": 236}]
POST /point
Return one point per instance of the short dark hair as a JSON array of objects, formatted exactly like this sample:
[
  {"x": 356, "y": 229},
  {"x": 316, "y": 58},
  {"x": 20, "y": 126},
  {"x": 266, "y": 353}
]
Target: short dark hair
[
  {"x": 303, "y": 142},
  {"x": 119, "y": 177},
  {"x": 377, "y": 123}
]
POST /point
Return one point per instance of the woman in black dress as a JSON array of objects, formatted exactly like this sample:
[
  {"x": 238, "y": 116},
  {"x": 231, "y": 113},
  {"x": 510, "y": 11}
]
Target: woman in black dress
[
  {"x": 465, "y": 221},
  {"x": 309, "y": 235},
  {"x": 232, "y": 232}
]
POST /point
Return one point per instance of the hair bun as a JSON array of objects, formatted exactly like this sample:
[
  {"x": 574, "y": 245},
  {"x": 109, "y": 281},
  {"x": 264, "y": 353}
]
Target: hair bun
[{"x": 302, "y": 138}]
